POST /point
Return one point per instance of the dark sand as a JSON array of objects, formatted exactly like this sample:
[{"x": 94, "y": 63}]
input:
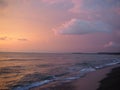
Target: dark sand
[{"x": 89, "y": 82}]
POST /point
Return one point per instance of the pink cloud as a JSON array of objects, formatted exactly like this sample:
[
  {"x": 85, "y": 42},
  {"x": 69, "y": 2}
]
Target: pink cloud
[
  {"x": 112, "y": 44},
  {"x": 117, "y": 10},
  {"x": 77, "y": 6},
  {"x": 53, "y": 1}
]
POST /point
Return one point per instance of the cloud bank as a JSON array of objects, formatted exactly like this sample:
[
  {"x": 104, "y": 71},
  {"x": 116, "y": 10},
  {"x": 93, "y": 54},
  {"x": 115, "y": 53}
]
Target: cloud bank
[{"x": 11, "y": 38}]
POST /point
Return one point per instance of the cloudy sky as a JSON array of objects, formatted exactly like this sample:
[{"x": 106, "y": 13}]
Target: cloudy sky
[{"x": 60, "y": 25}]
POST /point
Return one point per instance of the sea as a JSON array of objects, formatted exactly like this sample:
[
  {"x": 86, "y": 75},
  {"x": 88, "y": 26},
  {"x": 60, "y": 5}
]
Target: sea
[{"x": 23, "y": 71}]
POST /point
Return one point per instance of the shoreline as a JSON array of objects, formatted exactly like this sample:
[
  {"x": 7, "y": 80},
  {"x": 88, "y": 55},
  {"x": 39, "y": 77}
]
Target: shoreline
[{"x": 90, "y": 82}]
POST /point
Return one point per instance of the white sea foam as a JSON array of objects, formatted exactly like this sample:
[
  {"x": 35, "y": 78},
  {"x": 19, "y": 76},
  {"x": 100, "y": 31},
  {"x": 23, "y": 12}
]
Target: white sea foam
[
  {"x": 85, "y": 70},
  {"x": 113, "y": 62},
  {"x": 33, "y": 85}
]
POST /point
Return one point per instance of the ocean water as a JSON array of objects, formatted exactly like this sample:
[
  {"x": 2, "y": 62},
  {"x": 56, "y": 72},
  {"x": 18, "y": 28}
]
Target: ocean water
[{"x": 22, "y": 71}]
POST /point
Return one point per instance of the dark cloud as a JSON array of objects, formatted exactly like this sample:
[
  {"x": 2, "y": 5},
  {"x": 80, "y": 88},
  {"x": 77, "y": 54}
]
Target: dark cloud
[
  {"x": 3, "y": 4},
  {"x": 23, "y": 39},
  {"x": 3, "y": 38}
]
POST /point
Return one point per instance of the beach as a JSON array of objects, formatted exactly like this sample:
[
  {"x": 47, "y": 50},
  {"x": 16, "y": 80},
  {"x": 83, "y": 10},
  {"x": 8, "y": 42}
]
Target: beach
[{"x": 90, "y": 82}]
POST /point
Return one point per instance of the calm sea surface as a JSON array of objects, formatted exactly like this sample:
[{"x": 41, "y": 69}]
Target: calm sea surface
[{"x": 22, "y": 71}]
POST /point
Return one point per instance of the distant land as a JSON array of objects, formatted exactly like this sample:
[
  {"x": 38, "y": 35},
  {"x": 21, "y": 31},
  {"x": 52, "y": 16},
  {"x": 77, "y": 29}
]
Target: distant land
[{"x": 109, "y": 53}]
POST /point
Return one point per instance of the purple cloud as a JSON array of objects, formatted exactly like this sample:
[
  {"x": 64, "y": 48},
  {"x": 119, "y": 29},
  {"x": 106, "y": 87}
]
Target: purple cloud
[{"x": 76, "y": 26}]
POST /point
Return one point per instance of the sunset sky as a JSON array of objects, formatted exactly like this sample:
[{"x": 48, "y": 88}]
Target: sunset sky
[{"x": 59, "y": 25}]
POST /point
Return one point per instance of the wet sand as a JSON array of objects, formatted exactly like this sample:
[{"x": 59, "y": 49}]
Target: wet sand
[{"x": 89, "y": 82}]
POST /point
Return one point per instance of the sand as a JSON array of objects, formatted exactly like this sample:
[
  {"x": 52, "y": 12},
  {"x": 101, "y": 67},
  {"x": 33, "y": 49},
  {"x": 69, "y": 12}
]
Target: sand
[{"x": 89, "y": 82}]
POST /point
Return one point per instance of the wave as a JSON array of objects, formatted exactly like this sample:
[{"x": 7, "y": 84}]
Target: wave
[
  {"x": 18, "y": 59},
  {"x": 73, "y": 72},
  {"x": 32, "y": 85}
]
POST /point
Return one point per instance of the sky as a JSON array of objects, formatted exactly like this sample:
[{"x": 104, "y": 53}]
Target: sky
[{"x": 60, "y": 25}]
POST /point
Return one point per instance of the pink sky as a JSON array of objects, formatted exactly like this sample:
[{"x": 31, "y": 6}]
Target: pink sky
[{"x": 60, "y": 25}]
